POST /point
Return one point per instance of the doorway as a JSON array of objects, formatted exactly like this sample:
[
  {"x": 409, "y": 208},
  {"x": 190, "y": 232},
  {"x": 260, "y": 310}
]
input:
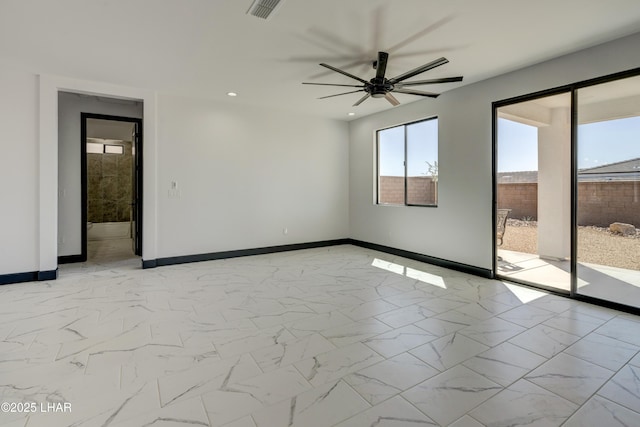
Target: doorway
[
  {"x": 111, "y": 173},
  {"x": 567, "y": 180}
]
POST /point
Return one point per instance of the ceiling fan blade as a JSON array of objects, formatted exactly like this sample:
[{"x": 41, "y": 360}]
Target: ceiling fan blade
[
  {"x": 338, "y": 70},
  {"x": 431, "y": 81},
  {"x": 361, "y": 100},
  {"x": 381, "y": 66},
  {"x": 420, "y": 69},
  {"x": 392, "y": 99},
  {"x": 331, "y": 84},
  {"x": 417, "y": 92},
  {"x": 339, "y": 94},
  {"x": 363, "y": 60},
  {"x": 428, "y": 29}
]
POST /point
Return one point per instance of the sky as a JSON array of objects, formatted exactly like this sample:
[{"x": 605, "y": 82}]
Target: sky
[
  {"x": 599, "y": 143},
  {"x": 422, "y": 147}
]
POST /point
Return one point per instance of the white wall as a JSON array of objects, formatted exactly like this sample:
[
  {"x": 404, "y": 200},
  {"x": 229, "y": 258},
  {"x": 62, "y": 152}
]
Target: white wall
[
  {"x": 288, "y": 171},
  {"x": 69, "y": 180},
  {"x": 19, "y": 170},
  {"x": 203, "y": 145},
  {"x": 244, "y": 174},
  {"x": 459, "y": 229}
]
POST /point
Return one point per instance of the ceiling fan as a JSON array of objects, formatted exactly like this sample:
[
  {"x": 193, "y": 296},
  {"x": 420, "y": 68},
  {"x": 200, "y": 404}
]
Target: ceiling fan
[{"x": 381, "y": 87}]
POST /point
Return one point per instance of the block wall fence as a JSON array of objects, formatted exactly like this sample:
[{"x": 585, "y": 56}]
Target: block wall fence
[
  {"x": 420, "y": 190},
  {"x": 599, "y": 203}
]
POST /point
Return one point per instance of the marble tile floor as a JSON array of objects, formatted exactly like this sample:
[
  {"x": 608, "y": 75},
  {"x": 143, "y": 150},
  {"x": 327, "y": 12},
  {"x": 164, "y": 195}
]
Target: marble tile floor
[{"x": 338, "y": 336}]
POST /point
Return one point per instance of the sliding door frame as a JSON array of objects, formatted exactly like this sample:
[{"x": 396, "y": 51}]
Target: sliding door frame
[
  {"x": 573, "y": 90},
  {"x": 562, "y": 90}
]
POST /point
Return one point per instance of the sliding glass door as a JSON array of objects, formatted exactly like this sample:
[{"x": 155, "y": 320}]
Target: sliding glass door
[
  {"x": 608, "y": 191},
  {"x": 567, "y": 190},
  {"x": 533, "y": 191}
]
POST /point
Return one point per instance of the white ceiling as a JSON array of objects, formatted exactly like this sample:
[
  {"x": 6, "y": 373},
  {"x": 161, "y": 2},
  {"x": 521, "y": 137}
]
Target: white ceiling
[{"x": 206, "y": 48}]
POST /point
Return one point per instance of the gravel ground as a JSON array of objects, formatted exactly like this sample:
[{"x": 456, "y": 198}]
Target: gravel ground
[{"x": 595, "y": 245}]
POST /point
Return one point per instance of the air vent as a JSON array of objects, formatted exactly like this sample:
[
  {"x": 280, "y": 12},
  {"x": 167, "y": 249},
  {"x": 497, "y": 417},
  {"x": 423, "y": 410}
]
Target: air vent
[{"x": 263, "y": 8}]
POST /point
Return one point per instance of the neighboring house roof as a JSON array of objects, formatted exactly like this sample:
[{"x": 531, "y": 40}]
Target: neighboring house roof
[
  {"x": 625, "y": 166},
  {"x": 520, "y": 177},
  {"x": 617, "y": 171}
]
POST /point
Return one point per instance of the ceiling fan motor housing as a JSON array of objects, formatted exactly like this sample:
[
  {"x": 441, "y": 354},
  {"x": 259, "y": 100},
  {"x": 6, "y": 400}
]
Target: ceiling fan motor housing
[{"x": 378, "y": 88}]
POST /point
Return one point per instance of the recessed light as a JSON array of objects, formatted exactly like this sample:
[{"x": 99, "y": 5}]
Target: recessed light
[
  {"x": 232, "y": 94},
  {"x": 351, "y": 114}
]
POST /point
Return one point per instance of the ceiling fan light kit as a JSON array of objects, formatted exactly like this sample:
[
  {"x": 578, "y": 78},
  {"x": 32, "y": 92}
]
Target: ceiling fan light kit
[{"x": 382, "y": 87}]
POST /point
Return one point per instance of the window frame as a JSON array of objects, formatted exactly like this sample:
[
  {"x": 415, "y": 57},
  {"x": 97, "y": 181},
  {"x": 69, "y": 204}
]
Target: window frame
[{"x": 377, "y": 157}]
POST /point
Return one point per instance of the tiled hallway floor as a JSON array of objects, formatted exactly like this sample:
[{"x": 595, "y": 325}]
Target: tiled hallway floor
[
  {"x": 110, "y": 251},
  {"x": 333, "y": 336}
]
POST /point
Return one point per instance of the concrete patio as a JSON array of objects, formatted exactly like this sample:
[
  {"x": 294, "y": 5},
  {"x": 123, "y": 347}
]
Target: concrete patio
[{"x": 608, "y": 283}]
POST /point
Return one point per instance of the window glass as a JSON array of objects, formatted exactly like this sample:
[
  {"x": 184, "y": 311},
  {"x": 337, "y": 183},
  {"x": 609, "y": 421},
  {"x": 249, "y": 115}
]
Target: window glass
[
  {"x": 408, "y": 164},
  {"x": 391, "y": 166},
  {"x": 422, "y": 163}
]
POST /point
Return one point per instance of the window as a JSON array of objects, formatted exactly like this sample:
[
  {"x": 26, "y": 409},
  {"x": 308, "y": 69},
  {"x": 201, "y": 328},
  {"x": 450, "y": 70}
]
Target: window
[
  {"x": 408, "y": 164},
  {"x": 113, "y": 149}
]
